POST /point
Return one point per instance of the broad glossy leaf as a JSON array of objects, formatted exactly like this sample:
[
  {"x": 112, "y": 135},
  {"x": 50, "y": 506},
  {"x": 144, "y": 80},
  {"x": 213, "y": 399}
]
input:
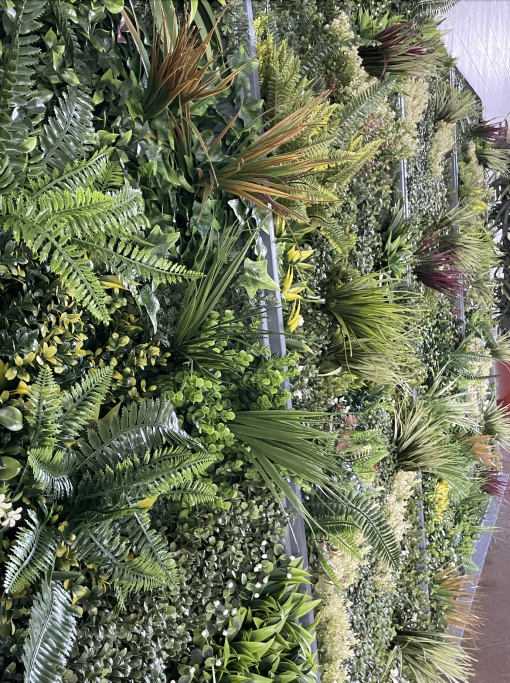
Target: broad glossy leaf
[
  {"x": 11, "y": 418},
  {"x": 255, "y": 277}
]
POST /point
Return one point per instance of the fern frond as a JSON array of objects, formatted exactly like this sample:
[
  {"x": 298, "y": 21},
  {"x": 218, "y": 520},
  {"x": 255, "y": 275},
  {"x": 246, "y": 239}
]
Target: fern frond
[
  {"x": 32, "y": 553},
  {"x": 351, "y": 507},
  {"x": 102, "y": 546},
  {"x": 351, "y": 117},
  {"x": 53, "y": 470},
  {"x": 147, "y": 540},
  {"x": 69, "y": 134},
  {"x": 51, "y": 635},
  {"x": 19, "y": 55},
  {"x": 7, "y": 177},
  {"x": 128, "y": 261},
  {"x": 80, "y": 174},
  {"x": 155, "y": 474},
  {"x": 140, "y": 428},
  {"x": 80, "y": 402},
  {"x": 110, "y": 177},
  {"x": 44, "y": 409}
]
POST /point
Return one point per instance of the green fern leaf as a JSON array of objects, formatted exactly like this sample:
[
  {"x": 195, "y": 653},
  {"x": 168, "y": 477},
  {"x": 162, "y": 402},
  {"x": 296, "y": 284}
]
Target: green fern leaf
[
  {"x": 53, "y": 470},
  {"x": 101, "y": 545},
  {"x": 135, "y": 478},
  {"x": 51, "y": 635},
  {"x": 69, "y": 134},
  {"x": 350, "y": 118},
  {"x": 128, "y": 261},
  {"x": 80, "y": 402},
  {"x": 32, "y": 553},
  {"x": 147, "y": 540},
  {"x": 44, "y": 410},
  {"x": 110, "y": 177},
  {"x": 19, "y": 55},
  {"x": 352, "y": 505},
  {"x": 140, "y": 428},
  {"x": 81, "y": 174}
]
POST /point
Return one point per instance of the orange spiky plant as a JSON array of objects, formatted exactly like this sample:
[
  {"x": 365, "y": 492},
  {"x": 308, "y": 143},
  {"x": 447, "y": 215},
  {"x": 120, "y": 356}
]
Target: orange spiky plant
[
  {"x": 258, "y": 172},
  {"x": 180, "y": 72},
  {"x": 455, "y": 594},
  {"x": 484, "y": 449}
]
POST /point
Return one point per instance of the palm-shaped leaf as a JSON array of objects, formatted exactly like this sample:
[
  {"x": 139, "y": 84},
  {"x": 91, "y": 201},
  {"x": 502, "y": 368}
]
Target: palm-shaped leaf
[
  {"x": 32, "y": 553},
  {"x": 51, "y": 634}
]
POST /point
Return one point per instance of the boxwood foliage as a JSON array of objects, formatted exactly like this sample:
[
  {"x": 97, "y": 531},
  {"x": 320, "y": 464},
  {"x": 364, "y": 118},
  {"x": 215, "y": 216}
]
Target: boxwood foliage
[{"x": 222, "y": 552}]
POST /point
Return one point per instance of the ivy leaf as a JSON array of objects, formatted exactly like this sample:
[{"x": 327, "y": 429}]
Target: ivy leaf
[
  {"x": 148, "y": 299},
  {"x": 255, "y": 277}
]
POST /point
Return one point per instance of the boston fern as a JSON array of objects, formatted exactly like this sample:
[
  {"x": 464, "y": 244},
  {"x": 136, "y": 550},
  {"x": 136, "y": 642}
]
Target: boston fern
[
  {"x": 100, "y": 478},
  {"x": 64, "y": 219}
]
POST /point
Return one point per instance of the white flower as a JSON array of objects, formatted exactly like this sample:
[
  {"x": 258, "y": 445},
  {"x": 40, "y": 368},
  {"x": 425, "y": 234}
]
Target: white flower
[
  {"x": 225, "y": 612},
  {"x": 225, "y": 633},
  {"x": 265, "y": 579},
  {"x": 289, "y": 576},
  {"x": 218, "y": 662},
  {"x": 216, "y": 603},
  {"x": 258, "y": 585},
  {"x": 256, "y": 595},
  {"x": 264, "y": 556},
  {"x": 234, "y": 612},
  {"x": 4, "y": 505},
  {"x": 292, "y": 557},
  {"x": 264, "y": 543},
  {"x": 12, "y": 517},
  {"x": 230, "y": 584},
  {"x": 205, "y": 634}
]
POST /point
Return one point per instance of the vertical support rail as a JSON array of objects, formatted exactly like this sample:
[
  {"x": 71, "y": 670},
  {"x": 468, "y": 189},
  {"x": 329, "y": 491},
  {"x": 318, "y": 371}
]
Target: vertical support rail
[
  {"x": 295, "y": 541},
  {"x": 422, "y": 544}
]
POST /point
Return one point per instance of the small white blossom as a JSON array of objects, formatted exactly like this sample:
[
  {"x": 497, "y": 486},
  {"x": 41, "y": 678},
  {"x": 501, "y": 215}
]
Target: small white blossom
[
  {"x": 230, "y": 584},
  {"x": 289, "y": 576},
  {"x": 12, "y": 517},
  {"x": 292, "y": 557},
  {"x": 258, "y": 585},
  {"x": 216, "y": 603},
  {"x": 256, "y": 595},
  {"x": 218, "y": 662},
  {"x": 225, "y": 633},
  {"x": 264, "y": 542},
  {"x": 205, "y": 633},
  {"x": 225, "y": 612},
  {"x": 265, "y": 579},
  {"x": 234, "y": 612}
]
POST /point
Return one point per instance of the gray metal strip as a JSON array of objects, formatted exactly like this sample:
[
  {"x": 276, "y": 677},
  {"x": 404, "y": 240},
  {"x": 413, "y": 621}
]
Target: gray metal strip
[{"x": 295, "y": 541}]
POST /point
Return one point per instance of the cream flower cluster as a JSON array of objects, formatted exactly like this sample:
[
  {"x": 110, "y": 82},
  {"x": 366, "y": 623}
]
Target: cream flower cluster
[{"x": 11, "y": 516}]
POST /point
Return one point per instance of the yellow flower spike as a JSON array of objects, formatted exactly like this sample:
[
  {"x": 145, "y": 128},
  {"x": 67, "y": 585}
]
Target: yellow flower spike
[
  {"x": 288, "y": 280},
  {"x": 295, "y": 319},
  {"x": 296, "y": 255}
]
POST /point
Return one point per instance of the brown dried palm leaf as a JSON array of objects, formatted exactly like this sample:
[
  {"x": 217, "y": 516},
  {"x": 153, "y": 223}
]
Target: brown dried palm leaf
[
  {"x": 183, "y": 74},
  {"x": 263, "y": 176},
  {"x": 455, "y": 593},
  {"x": 484, "y": 449}
]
